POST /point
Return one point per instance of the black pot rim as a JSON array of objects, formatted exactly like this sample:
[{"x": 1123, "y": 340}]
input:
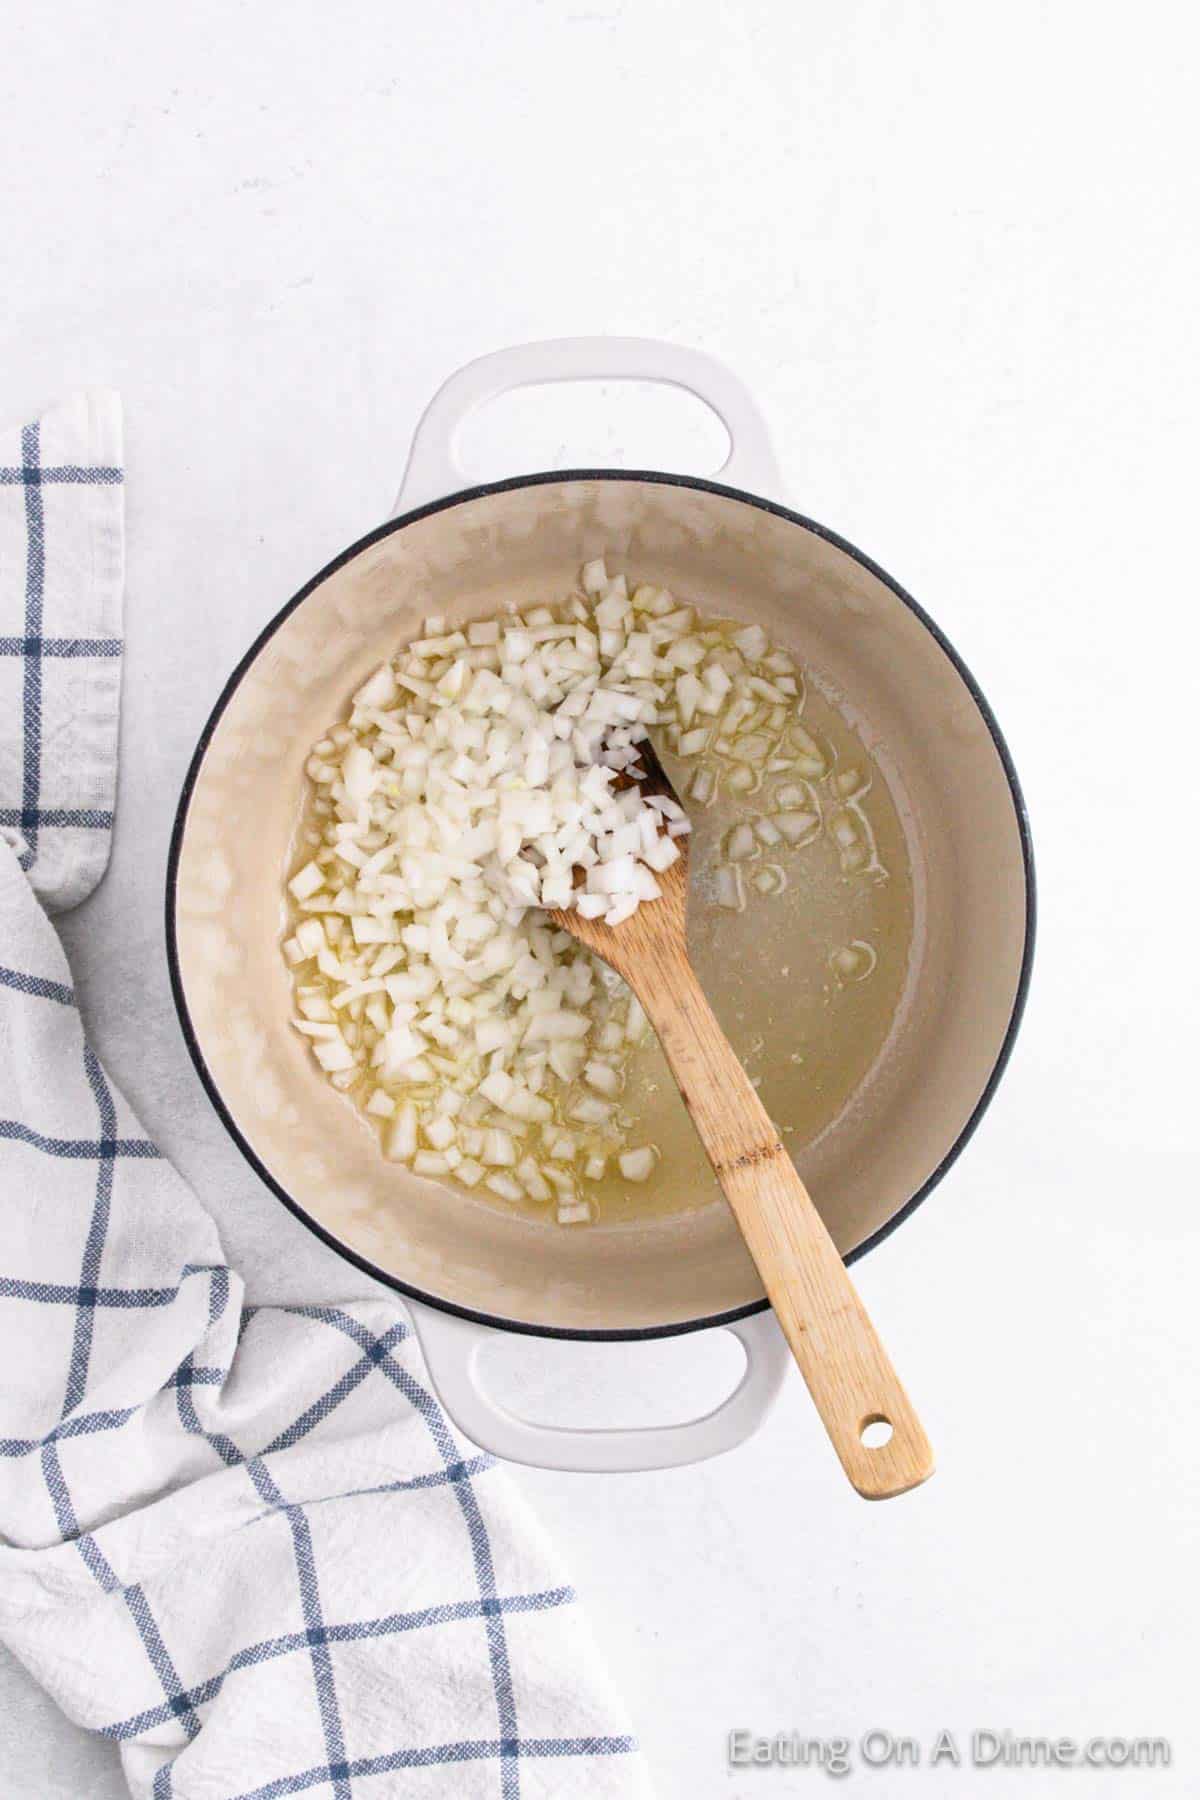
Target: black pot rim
[{"x": 509, "y": 485}]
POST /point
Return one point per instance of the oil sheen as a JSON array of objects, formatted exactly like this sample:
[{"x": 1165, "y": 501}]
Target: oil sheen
[{"x": 807, "y": 1020}]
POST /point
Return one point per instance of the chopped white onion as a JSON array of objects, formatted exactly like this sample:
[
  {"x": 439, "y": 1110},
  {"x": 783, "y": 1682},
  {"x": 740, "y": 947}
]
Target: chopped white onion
[
  {"x": 636, "y": 1165},
  {"x": 307, "y": 881},
  {"x": 729, "y": 892},
  {"x": 603, "y": 1077},
  {"x": 481, "y": 778},
  {"x": 770, "y": 879},
  {"x": 854, "y": 962},
  {"x": 796, "y": 826},
  {"x": 400, "y": 1140},
  {"x": 740, "y": 845}
]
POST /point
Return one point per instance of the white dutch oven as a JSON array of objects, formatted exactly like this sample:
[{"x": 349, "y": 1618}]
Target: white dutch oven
[{"x": 468, "y": 1267}]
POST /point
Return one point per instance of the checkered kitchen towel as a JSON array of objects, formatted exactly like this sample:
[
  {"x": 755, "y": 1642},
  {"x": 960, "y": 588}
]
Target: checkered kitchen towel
[
  {"x": 60, "y": 642},
  {"x": 242, "y": 1542}
]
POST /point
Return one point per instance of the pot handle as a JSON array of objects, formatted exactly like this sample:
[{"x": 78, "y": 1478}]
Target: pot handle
[
  {"x": 452, "y": 1345},
  {"x": 433, "y": 471}
]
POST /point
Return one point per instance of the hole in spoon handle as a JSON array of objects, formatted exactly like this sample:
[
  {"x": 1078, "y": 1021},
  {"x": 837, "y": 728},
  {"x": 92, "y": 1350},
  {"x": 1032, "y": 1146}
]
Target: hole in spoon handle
[
  {"x": 847, "y": 1370},
  {"x": 871, "y": 1421}
]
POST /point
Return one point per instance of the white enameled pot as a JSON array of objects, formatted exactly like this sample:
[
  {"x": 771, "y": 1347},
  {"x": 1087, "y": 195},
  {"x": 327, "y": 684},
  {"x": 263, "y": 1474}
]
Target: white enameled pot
[{"x": 468, "y": 1267}]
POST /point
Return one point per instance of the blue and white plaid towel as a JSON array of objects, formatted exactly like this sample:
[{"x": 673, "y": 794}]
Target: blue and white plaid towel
[{"x": 243, "y": 1542}]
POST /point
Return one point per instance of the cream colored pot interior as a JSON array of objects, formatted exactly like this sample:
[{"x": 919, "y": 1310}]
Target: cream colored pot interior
[{"x": 897, "y": 686}]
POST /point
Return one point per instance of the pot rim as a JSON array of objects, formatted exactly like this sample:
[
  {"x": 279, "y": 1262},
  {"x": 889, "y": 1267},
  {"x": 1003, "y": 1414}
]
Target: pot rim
[{"x": 546, "y": 478}]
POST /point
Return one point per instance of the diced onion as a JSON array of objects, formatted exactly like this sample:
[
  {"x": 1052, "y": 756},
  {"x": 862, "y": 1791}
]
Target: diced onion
[
  {"x": 770, "y": 879},
  {"x": 491, "y": 771},
  {"x": 307, "y": 880},
  {"x": 740, "y": 844},
  {"x": 796, "y": 827},
  {"x": 400, "y": 1140},
  {"x": 752, "y": 642},
  {"x": 636, "y": 1165},
  {"x": 603, "y": 1077},
  {"x": 703, "y": 786},
  {"x": 729, "y": 892},
  {"x": 854, "y": 962}
]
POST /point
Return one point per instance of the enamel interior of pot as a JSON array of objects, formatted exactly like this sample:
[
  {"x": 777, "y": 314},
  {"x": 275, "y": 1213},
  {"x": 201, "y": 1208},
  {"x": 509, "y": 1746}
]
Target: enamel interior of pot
[{"x": 888, "y": 675}]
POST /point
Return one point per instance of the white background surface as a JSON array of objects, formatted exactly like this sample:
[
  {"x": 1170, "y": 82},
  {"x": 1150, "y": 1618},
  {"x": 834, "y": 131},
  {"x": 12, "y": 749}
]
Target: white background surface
[{"x": 952, "y": 250}]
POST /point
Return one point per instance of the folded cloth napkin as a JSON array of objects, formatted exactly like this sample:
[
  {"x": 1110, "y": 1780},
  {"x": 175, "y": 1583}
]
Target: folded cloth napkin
[{"x": 241, "y": 1541}]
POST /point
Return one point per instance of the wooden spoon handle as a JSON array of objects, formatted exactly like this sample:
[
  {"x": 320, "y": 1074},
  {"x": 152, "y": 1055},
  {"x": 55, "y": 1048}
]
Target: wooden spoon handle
[{"x": 849, "y": 1375}]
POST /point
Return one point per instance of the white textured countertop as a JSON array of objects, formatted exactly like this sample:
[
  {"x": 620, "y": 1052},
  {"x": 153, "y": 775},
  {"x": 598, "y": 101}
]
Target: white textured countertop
[{"x": 952, "y": 251}]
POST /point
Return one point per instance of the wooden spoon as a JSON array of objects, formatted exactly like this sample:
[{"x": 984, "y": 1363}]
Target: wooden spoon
[{"x": 852, "y": 1382}]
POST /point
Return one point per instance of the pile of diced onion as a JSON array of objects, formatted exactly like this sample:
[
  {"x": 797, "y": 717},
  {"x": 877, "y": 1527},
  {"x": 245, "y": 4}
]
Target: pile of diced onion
[{"x": 476, "y": 783}]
